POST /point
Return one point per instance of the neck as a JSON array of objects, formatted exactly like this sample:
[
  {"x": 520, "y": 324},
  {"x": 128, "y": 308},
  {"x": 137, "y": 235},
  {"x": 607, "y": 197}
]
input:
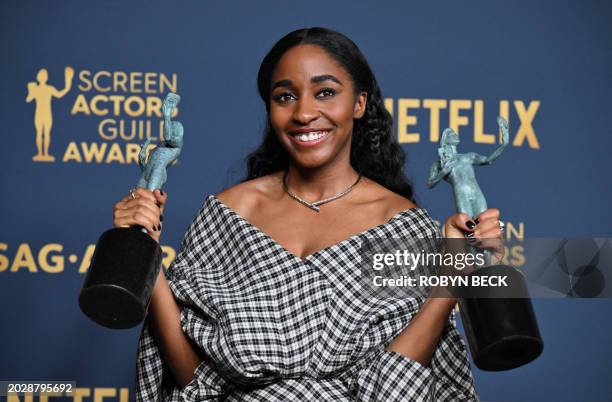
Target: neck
[{"x": 313, "y": 184}]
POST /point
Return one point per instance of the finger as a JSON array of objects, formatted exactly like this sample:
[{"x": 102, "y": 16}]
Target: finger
[
  {"x": 144, "y": 193},
  {"x": 462, "y": 222},
  {"x": 490, "y": 213},
  {"x": 120, "y": 205},
  {"x": 160, "y": 195},
  {"x": 141, "y": 217},
  {"x": 134, "y": 194},
  {"x": 141, "y": 203},
  {"x": 148, "y": 217},
  {"x": 143, "y": 206},
  {"x": 136, "y": 221},
  {"x": 486, "y": 228},
  {"x": 161, "y": 198},
  {"x": 126, "y": 198},
  {"x": 496, "y": 234},
  {"x": 138, "y": 203}
]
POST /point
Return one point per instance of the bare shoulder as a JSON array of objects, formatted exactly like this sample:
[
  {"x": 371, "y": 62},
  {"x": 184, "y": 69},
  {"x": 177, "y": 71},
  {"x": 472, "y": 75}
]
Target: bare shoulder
[
  {"x": 247, "y": 196},
  {"x": 386, "y": 200}
]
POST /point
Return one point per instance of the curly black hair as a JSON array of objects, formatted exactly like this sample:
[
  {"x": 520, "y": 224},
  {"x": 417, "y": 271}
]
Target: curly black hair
[{"x": 374, "y": 152}]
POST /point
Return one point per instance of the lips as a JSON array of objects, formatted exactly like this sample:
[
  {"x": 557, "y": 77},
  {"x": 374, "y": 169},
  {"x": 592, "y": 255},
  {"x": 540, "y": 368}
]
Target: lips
[{"x": 305, "y": 137}]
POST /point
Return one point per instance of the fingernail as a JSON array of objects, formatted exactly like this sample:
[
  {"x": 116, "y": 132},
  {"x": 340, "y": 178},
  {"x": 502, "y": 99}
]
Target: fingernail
[
  {"x": 154, "y": 229},
  {"x": 161, "y": 192},
  {"x": 470, "y": 224},
  {"x": 470, "y": 235},
  {"x": 159, "y": 227},
  {"x": 477, "y": 221},
  {"x": 161, "y": 218},
  {"x": 158, "y": 204}
]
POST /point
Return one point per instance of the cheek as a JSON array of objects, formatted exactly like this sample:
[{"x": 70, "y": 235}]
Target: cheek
[
  {"x": 278, "y": 118},
  {"x": 342, "y": 113},
  {"x": 342, "y": 110}
]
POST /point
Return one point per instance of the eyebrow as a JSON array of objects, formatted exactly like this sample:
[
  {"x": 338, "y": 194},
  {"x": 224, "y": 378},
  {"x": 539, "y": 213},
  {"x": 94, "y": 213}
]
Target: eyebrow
[{"x": 316, "y": 79}]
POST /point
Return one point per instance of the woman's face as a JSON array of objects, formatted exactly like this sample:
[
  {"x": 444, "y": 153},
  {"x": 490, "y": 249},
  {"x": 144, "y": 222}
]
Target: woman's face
[{"x": 312, "y": 106}]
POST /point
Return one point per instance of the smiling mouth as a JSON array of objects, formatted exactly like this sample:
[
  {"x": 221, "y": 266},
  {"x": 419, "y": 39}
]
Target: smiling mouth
[{"x": 310, "y": 138}]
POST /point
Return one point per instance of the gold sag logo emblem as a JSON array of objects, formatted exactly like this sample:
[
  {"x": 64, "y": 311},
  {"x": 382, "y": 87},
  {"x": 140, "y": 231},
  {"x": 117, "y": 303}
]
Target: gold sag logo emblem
[
  {"x": 43, "y": 93},
  {"x": 120, "y": 109}
]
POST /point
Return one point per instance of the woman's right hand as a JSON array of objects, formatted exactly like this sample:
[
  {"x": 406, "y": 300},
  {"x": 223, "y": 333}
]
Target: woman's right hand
[{"x": 145, "y": 210}]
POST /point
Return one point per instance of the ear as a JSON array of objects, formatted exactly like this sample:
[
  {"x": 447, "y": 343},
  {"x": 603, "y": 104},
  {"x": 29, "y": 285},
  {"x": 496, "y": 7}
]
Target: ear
[{"x": 360, "y": 105}]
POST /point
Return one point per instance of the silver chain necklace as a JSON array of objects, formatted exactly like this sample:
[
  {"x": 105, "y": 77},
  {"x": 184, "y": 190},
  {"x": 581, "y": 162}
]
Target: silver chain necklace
[{"x": 314, "y": 205}]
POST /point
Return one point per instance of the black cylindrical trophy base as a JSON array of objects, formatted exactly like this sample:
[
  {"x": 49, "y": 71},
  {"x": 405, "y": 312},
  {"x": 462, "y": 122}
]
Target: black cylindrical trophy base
[
  {"x": 502, "y": 331},
  {"x": 120, "y": 279}
]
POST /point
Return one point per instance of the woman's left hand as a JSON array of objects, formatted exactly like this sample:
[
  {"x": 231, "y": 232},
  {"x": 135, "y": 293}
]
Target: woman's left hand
[{"x": 483, "y": 230}]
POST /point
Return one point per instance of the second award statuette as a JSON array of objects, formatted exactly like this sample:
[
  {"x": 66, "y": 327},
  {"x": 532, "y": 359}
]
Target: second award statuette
[
  {"x": 502, "y": 331},
  {"x": 120, "y": 280}
]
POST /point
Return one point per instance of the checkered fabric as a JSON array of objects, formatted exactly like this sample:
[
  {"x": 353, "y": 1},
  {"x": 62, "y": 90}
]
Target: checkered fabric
[{"x": 280, "y": 328}]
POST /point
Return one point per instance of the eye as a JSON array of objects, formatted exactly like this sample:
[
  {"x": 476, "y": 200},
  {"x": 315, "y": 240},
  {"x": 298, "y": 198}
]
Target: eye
[
  {"x": 283, "y": 97},
  {"x": 326, "y": 93}
]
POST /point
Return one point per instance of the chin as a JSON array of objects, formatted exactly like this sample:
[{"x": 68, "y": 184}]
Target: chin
[
  {"x": 314, "y": 160},
  {"x": 310, "y": 163}
]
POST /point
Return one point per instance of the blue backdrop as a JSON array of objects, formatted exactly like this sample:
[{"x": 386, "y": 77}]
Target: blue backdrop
[{"x": 545, "y": 65}]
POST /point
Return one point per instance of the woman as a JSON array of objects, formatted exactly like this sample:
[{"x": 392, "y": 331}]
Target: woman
[{"x": 260, "y": 303}]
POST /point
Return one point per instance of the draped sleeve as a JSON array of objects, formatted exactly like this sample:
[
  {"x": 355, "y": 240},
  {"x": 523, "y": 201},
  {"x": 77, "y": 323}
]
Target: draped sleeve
[
  {"x": 391, "y": 376},
  {"x": 154, "y": 380}
]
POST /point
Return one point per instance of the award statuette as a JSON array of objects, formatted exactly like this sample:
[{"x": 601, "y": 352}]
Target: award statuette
[
  {"x": 126, "y": 262},
  {"x": 502, "y": 331}
]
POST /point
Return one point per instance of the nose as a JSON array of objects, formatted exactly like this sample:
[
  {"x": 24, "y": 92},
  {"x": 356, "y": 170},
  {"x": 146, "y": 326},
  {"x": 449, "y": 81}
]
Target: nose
[{"x": 305, "y": 111}]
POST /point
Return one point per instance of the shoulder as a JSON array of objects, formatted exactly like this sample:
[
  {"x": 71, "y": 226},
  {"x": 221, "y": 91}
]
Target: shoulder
[
  {"x": 246, "y": 196},
  {"x": 417, "y": 223},
  {"x": 385, "y": 200}
]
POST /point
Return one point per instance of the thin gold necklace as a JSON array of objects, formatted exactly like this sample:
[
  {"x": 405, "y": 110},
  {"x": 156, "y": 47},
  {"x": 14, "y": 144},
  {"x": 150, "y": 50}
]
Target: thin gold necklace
[{"x": 314, "y": 205}]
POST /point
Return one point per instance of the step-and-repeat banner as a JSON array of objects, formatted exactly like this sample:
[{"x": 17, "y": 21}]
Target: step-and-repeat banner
[{"x": 82, "y": 86}]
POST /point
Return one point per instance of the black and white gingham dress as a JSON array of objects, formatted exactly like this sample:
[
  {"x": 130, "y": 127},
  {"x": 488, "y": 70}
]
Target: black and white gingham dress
[{"x": 280, "y": 328}]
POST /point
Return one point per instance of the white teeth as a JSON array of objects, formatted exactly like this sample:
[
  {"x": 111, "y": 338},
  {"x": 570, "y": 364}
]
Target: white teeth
[{"x": 312, "y": 136}]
